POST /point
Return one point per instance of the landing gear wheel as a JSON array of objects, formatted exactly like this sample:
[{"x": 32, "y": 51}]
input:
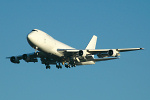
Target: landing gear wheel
[
  {"x": 58, "y": 66},
  {"x": 67, "y": 66},
  {"x": 48, "y": 67},
  {"x": 73, "y": 65}
]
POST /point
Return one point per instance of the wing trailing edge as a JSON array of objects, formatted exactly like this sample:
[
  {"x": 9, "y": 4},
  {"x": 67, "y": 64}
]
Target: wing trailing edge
[{"x": 105, "y": 59}]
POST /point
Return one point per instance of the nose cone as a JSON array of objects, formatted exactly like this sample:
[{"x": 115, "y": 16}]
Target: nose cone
[
  {"x": 32, "y": 34},
  {"x": 31, "y": 38}
]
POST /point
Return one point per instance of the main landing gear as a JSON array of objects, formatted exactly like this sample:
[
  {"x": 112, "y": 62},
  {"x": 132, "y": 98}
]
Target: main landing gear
[
  {"x": 73, "y": 65},
  {"x": 47, "y": 66},
  {"x": 69, "y": 66},
  {"x": 58, "y": 66}
]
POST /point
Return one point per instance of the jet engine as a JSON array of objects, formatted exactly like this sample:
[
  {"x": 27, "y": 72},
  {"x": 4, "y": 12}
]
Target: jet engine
[
  {"x": 113, "y": 53},
  {"x": 82, "y": 53},
  {"x": 14, "y": 59},
  {"x": 26, "y": 57},
  {"x": 110, "y": 53}
]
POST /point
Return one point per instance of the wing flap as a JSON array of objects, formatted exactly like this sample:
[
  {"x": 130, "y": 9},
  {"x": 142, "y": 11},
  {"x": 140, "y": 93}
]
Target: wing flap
[
  {"x": 105, "y": 59},
  {"x": 96, "y": 51},
  {"x": 67, "y": 50}
]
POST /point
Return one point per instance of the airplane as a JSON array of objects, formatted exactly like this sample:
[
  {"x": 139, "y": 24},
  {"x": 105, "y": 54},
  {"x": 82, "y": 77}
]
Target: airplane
[{"x": 53, "y": 52}]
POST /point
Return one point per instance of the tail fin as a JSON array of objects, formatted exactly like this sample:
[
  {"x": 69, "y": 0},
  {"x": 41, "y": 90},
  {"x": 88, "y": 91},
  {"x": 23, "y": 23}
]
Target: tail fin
[{"x": 92, "y": 43}]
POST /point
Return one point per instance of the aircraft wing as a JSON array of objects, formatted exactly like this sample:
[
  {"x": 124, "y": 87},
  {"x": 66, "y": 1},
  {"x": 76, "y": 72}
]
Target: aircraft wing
[
  {"x": 68, "y": 52},
  {"x": 129, "y": 49},
  {"x": 101, "y": 53},
  {"x": 96, "y": 51},
  {"x": 19, "y": 57},
  {"x": 30, "y": 57}
]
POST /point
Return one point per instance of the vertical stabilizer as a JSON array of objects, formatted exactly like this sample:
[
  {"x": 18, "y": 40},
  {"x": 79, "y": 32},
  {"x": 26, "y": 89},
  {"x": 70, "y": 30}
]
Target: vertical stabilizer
[{"x": 92, "y": 43}]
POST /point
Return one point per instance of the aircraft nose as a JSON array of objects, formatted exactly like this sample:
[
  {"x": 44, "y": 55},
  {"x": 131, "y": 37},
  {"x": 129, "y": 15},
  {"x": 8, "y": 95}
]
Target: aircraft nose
[
  {"x": 30, "y": 39},
  {"x": 32, "y": 34},
  {"x": 29, "y": 36}
]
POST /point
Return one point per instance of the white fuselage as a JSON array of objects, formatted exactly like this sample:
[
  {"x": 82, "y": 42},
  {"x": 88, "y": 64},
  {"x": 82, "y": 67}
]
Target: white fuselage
[{"x": 44, "y": 42}]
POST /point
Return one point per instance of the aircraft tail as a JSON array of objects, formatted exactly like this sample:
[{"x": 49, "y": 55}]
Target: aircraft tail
[{"x": 92, "y": 43}]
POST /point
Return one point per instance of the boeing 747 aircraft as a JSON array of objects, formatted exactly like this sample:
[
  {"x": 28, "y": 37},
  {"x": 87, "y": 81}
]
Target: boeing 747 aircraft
[{"x": 51, "y": 51}]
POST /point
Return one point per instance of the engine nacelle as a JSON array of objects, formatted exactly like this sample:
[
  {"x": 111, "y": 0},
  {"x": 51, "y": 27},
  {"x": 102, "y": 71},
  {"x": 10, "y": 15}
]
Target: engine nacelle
[
  {"x": 101, "y": 55},
  {"x": 82, "y": 53},
  {"x": 110, "y": 53},
  {"x": 27, "y": 58},
  {"x": 113, "y": 53},
  {"x": 14, "y": 59}
]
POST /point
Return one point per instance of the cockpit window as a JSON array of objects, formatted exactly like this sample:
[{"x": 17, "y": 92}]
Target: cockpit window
[{"x": 34, "y": 30}]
